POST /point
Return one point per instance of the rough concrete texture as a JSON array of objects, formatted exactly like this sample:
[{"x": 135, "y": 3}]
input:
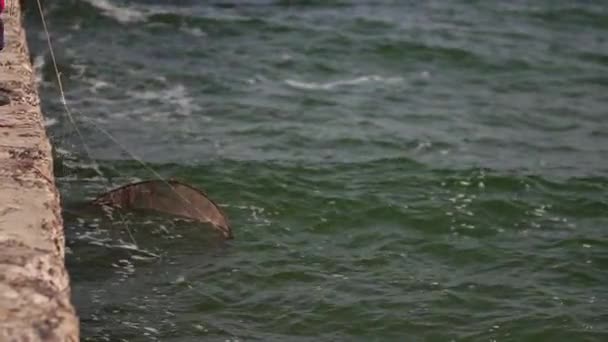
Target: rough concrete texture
[{"x": 34, "y": 285}]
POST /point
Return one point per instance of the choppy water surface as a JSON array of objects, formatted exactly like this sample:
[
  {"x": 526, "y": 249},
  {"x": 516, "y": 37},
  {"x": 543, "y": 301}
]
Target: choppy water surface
[{"x": 421, "y": 171}]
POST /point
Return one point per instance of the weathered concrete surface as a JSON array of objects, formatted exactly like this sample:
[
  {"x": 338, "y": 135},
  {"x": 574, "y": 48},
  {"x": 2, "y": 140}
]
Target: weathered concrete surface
[{"x": 34, "y": 286}]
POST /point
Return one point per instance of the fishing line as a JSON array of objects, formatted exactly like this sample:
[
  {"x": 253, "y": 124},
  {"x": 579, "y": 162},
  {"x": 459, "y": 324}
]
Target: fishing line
[
  {"x": 72, "y": 121},
  {"x": 71, "y": 118}
]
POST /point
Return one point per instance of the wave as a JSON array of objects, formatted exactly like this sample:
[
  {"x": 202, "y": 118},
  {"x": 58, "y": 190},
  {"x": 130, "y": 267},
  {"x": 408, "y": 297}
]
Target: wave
[
  {"x": 123, "y": 14},
  {"x": 341, "y": 83},
  {"x": 177, "y": 96},
  {"x": 583, "y": 15}
]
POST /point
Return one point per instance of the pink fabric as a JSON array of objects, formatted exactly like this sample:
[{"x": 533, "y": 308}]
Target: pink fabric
[{"x": 1, "y": 6}]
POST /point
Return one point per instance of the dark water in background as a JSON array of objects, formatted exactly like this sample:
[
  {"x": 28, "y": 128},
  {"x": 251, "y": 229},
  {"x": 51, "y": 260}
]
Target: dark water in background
[{"x": 394, "y": 170}]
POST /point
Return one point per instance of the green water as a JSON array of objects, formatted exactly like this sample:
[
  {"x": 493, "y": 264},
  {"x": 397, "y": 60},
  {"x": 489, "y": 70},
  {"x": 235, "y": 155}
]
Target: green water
[{"x": 393, "y": 171}]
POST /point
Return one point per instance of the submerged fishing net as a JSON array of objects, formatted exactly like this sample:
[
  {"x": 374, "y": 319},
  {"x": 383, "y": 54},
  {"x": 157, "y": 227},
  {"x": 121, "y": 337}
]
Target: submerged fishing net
[
  {"x": 164, "y": 196},
  {"x": 170, "y": 197}
]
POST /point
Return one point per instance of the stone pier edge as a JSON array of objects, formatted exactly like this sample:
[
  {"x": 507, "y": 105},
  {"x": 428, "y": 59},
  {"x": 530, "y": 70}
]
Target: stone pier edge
[{"x": 35, "y": 298}]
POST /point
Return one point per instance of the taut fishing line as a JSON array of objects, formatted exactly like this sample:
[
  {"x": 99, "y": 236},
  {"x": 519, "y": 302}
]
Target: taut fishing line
[{"x": 69, "y": 115}]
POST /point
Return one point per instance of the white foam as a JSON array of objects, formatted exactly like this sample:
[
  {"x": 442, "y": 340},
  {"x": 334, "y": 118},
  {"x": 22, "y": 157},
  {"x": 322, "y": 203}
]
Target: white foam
[
  {"x": 48, "y": 122},
  {"x": 194, "y": 31},
  {"x": 176, "y": 95},
  {"x": 80, "y": 70},
  {"x": 121, "y": 13},
  {"x": 97, "y": 84},
  {"x": 339, "y": 83},
  {"x": 39, "y": 62}
]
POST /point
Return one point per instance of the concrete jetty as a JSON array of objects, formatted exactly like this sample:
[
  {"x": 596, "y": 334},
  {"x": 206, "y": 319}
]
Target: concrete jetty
[{"x": 35, "y": 303}]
